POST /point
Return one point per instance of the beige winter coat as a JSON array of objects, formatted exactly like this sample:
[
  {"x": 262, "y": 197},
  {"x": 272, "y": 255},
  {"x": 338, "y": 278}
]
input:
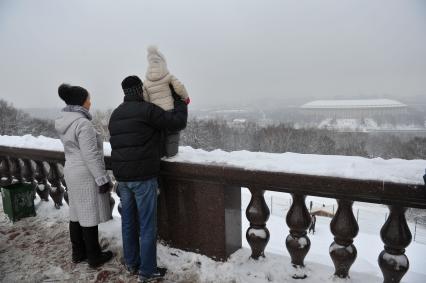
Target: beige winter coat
[
  {"x": 158, "y": 78},
  {"x": 84, "y": 169}
]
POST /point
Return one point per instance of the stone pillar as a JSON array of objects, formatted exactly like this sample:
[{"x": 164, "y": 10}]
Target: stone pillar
[{"x": 200, "y": 217}]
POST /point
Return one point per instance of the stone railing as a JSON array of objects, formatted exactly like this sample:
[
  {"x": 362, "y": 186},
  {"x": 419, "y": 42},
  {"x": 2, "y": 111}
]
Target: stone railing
[{"x": 200, "y": 208}]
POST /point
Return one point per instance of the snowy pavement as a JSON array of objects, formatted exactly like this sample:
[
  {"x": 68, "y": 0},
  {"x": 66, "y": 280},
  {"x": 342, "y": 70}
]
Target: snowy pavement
[{"x": 37, "y": 249}]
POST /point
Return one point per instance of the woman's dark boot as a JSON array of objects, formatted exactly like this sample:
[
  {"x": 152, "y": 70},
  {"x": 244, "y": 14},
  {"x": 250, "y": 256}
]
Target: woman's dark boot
[
  {"x": 77, "y": 242},
  {"x": 95, "y": 256}
]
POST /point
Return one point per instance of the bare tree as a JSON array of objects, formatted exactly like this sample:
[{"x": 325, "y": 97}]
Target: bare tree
[
  {"x": 17, "y": 122},
  {"x": 100, "y": 121}
]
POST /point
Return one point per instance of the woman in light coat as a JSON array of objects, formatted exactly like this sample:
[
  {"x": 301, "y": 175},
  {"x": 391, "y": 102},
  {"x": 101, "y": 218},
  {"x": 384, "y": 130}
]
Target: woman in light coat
[{"x": 84, "y": 171}]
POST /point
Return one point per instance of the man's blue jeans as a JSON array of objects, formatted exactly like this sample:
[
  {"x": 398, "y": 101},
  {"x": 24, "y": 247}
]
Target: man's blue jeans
[{"x": 139, "y": 207}]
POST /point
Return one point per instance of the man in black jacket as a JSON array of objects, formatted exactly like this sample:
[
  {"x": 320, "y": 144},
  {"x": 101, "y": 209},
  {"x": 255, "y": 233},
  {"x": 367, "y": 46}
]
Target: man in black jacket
[{"x": 136, "y": 128}]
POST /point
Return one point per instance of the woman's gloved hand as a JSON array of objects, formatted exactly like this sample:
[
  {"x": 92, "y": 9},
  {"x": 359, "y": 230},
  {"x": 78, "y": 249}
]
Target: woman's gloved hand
[{"x": 105, "y": 188}]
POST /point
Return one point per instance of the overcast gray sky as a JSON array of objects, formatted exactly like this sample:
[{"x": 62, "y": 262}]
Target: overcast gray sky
[{"x": 226, "y": 52}]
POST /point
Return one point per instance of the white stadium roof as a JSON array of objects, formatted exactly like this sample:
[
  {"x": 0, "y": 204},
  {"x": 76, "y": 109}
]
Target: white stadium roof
[{"x": 353, "y": 104}]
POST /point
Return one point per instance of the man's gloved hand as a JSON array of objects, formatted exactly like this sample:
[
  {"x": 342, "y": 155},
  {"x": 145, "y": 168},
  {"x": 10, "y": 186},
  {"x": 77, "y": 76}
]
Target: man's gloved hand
[
  {"x": 105, "y": 188},
  {"x": 175, "y": 96},
  {"x": 424, "y": 178}
]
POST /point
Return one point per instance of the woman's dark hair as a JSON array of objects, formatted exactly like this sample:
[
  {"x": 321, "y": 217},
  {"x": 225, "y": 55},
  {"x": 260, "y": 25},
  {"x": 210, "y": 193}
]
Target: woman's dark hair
[{"x": 73, "y": 95}]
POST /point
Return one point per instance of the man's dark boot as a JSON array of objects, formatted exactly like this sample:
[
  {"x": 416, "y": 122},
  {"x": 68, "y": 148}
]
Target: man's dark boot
[
  {"x": 155, "y": 277},
  {"x": 77, "y": 242},
  {"x": 95, "y": 256}
]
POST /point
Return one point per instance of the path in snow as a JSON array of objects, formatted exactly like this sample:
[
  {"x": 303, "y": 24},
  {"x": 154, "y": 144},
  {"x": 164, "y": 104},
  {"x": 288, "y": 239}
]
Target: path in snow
[{"x": 37, "y": 249}]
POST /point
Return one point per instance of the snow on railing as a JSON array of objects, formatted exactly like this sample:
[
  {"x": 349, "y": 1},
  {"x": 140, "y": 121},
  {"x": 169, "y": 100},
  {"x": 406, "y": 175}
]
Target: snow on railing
[
  {"x": 200, "y": 200},
  {"x": 352, "y": 167}
]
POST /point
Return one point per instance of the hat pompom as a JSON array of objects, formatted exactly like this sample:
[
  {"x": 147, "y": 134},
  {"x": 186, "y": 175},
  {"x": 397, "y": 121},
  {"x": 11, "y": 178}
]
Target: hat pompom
[
  {"x": 64, "y": 91},
  {"x": 152, "y": 49},
  {"x": 153, "y": 52},
  {"x": 72, "y": 95}
]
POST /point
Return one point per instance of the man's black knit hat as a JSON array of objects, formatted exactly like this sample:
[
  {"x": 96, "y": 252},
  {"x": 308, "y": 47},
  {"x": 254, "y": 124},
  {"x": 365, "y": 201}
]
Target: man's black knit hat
[
  {"x": 73, "y": 95},
  {"x": 132, "y": 85}
]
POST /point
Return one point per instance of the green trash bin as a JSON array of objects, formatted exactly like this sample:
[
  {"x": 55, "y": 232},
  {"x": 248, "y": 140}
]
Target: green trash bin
[{"x": 18, "y": 201}]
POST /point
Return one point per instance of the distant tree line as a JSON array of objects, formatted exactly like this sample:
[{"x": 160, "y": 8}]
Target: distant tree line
[
  {"x": 15, "y": 122},
  {"x": 213, "y": 134},
  {"x": 220, "y": 134}
]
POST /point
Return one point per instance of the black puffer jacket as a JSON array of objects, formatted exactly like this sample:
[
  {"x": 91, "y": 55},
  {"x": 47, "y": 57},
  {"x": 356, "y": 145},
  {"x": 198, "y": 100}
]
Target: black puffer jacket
[{"x": 136, "y": 129}]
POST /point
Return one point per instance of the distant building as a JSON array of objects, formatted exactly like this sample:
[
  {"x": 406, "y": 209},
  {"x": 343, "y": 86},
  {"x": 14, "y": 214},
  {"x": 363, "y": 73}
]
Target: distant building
[
  {"x": 353, "y": 109},
  {"x": 238, "y": 123}
]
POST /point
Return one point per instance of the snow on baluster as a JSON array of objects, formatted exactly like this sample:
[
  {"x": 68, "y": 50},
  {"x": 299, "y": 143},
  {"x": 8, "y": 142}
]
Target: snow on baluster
[{"x": 257, "y": 214}]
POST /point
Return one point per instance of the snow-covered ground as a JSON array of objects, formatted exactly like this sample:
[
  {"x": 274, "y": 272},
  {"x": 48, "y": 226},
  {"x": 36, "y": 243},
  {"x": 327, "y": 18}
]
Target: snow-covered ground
[
  {"x": 37, "y": 249},
  {"x": 392, "y": 170}
]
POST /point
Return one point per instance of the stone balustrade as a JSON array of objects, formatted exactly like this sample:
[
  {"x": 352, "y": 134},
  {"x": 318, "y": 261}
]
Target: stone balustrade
[{"x": 199, "y": 208}]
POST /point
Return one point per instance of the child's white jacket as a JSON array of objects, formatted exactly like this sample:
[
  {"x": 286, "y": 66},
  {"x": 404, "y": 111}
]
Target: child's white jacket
[{"x": 158, "y": 78}]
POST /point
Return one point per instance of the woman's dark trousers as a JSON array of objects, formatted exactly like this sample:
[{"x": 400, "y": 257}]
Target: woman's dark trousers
[
  {"x": 85, "y": 245},
  {"x": 77, "y": 242}
]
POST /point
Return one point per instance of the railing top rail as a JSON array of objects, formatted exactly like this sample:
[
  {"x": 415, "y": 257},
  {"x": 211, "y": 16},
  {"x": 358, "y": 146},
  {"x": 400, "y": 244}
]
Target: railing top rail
[
  {"x": 33, "y": 154},
  {"x": 373, "y": 191}
]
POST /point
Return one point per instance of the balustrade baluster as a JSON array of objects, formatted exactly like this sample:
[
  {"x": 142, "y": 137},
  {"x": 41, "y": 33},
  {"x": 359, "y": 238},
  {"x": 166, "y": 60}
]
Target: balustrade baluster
[
  {"x": 66, "y": 198},
  {"x": 297, "y": 242},
  {"x": 27, "y": 171},
  {"x": 28, "y": 174},
  {"x": 396, "y": 236},
  {"x": 344, "y": 228},
  {"x": 5, "y": 176},
  {"x": 257, "y": 213},
  {"x": 43, "y": 186},
  {"x": 119, "y": 207},
  {"x": 111, "y": 203},
  {"x": 64, "y": 184},
  {"x": 57, "y": 190},
  {"x": 15, "y": 169}
]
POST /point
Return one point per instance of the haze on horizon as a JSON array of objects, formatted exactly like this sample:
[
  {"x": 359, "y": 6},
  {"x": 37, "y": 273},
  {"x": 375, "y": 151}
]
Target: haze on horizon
[{"x": 227, "y": 53}]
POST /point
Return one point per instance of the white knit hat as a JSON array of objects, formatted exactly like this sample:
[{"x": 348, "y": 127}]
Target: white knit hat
[
  {"x": 157, "y": 65},
  {"x": 154, "y": 53}
]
